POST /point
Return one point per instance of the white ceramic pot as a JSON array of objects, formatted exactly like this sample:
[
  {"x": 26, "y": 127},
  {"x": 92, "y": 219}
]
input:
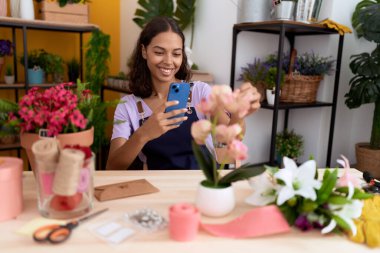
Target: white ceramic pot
[
  {"x": 15, "y": 8},
  {"x": 215, "y": 202},
  {"x": 9, "y": 79},
  {"x": 271, "y": 94},
  {"x": 284, "y": 10}
]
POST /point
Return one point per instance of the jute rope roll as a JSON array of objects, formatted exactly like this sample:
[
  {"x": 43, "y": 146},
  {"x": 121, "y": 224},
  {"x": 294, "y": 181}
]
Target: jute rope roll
[
  {"x": 46, "y": 152},
  {"x": 67, "y": 175}
]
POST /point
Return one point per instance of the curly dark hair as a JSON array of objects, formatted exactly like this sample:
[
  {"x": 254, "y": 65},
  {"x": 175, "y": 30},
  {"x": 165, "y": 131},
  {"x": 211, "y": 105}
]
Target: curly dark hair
[{"x": 140, "y": 81}]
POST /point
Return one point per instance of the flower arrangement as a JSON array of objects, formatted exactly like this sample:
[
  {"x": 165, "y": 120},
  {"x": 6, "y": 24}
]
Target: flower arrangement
[
  {"x": 330, "y": 204},
  {"x": 58, "y": 109},
  {"x": 5, "y": 48},
  {"x": 222, "y": 97}
]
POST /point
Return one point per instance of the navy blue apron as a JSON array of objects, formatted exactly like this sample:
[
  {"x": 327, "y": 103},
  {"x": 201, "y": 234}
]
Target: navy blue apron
[{"x": 172, "y": 150}]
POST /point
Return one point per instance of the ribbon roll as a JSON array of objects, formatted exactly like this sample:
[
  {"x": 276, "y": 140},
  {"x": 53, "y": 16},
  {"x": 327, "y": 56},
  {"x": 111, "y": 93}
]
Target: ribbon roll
[{"x": 184, "y": 222}]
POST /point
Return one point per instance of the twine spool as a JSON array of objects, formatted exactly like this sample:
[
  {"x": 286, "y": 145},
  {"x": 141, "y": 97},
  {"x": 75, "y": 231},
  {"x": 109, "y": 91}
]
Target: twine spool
[
  {"x": 67, "y": 175},
  {"x": 46, "y": 152}
]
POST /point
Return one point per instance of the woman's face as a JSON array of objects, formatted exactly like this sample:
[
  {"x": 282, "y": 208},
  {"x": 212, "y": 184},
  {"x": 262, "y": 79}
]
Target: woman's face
[{"x": 164, "y": 56}]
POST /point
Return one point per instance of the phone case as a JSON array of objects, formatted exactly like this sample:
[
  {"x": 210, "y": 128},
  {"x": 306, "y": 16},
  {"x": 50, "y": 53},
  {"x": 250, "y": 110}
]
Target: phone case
[{"x": 179, "y": 92}]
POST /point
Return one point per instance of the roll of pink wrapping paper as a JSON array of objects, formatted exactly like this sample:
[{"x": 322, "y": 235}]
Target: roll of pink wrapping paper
[
  {"x": 183, "y": 222},
  {"x": 11, "y": 199}
]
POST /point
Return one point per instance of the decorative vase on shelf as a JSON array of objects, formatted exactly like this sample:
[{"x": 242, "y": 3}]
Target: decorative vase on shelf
[
  {"x": 15, "y": 8},
  {"x": 270, "y": 94},
  {"x": 215, "y": 202},
  {"x": 3, "y": 8},
  {"x": 27, "y": 9},
  {"x": 284, "y": 10},
  {"x": 9, "y": 79},
  {"x": 253, "y": 10},
  {"x": 83, "y": 138}
]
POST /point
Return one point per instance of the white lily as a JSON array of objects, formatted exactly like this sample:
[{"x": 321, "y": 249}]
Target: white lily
[
  {"x": 346, "y": 212},
  {"x": 298, "y": 180},
  {"x": 264, "y": 190}
]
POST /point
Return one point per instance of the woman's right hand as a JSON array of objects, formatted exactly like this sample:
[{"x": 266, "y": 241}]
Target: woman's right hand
[{"x": 159, "y": 122}]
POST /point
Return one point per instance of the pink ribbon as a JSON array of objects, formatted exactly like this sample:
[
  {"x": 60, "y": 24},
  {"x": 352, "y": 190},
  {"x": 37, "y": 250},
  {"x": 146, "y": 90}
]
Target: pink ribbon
[{"x": 260, "y": 221}]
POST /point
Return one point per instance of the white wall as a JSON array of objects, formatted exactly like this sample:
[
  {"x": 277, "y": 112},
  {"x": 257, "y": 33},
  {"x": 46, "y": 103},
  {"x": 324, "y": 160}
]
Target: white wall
[{"x": 212, "y": 52}]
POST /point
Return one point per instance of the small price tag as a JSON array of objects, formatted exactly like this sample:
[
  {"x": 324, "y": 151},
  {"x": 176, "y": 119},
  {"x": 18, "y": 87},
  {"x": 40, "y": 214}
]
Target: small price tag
[{"x": 43, "y": 133}]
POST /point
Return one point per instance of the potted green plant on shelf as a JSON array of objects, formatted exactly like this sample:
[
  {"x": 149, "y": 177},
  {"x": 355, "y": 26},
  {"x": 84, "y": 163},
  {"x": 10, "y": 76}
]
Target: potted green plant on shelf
[
  {"x": 73, "y": 69},
  {"x": 5, "y": 50},
  {"x": 54, "y": 67},
  {"x": 262, "y": 75},
  {"x": 9, "y": 77},
  {"x": 288, "y": 144},
  {"x": 36, "y": 65},
  {"x": 364, "y": 86}
]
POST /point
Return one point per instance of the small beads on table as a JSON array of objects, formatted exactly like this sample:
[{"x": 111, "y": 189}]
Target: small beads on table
[{"x": 148, "y": 219}]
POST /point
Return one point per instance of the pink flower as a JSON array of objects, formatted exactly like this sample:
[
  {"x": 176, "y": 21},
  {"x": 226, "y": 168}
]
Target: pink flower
[
  {"x": 347, "y": 179},
  {"x": 200, "y": 130},
  {"x": 207, "y": 107},
  {"x": 225, "y": 134},
  {"x": 237, "y": 150}
]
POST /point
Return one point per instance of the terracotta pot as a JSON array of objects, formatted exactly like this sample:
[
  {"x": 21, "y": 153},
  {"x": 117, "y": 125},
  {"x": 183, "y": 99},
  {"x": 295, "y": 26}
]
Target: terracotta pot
[
  {"x": 83, "y": 138},
  {"x": 368, "y": 159}
]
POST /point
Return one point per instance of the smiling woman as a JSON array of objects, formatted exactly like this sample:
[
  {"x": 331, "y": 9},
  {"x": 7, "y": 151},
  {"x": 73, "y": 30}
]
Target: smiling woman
[{"x": 151, "y": 132}]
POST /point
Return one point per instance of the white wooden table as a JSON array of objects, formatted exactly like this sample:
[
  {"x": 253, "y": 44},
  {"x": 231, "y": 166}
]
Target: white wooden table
[{"x": 175, "y": 187}]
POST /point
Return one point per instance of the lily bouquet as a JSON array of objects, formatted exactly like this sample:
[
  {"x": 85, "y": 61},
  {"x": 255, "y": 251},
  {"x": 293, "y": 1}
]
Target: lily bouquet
[
  {"x": 222, "y": 135},
  {"x": 330, "y": 204}
]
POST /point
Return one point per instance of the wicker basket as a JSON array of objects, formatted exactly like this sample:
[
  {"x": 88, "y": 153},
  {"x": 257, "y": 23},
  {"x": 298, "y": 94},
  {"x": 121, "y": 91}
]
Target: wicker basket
[
  {"x": 300, "y": 89},
  {"x": 261, "y": 88},
  {"x": 368, "y": 159}
]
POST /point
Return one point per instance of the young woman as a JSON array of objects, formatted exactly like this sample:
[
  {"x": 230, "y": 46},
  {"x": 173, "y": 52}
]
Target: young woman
[{"x": 148, "y": 132}]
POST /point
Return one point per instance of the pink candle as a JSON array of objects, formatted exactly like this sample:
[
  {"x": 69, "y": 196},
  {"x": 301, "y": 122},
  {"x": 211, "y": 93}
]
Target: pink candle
[
  {"x": 10, "y": 187},
  {"x": 183, "y": 222}
]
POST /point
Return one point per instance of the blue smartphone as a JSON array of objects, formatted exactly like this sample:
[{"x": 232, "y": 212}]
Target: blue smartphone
[{"x": 179, "y": 92}]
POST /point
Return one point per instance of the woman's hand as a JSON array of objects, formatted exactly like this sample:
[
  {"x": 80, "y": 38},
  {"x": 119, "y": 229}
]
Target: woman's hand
[
  {"x": 247, "y": 88},
  {"x": 159, "y": 122}
]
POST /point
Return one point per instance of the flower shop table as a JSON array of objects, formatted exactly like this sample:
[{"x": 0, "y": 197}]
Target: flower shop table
[{"x": 175, "y": 187}]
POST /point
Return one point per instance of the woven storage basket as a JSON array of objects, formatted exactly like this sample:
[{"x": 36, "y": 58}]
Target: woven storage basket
[
  {"x": 261, "y": 88},
  {"x": 300, "y": 89},
  {"x": 367, "y": 159}
]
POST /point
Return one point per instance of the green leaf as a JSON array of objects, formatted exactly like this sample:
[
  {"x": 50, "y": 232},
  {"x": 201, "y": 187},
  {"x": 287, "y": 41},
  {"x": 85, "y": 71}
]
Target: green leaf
[
  {"x": 327, "y": 187},
  {"x": 289, "y": 213},
  {"x": 184, "y": 13},
  {"x": 205, "y": 163},
  {"x": 338, "y": 200},
  {"x": 244, "y": 172},
  {"x": 341, "y": 223},
  {"x": 151, "y": 9}
]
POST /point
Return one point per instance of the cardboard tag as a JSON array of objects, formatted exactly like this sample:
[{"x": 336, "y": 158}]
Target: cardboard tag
[{"x": 124, "y": 190}]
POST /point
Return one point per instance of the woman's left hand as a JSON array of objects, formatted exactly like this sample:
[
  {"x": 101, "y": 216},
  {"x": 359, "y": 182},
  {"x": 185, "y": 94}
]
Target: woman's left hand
[{"x": 247, "y": 88}]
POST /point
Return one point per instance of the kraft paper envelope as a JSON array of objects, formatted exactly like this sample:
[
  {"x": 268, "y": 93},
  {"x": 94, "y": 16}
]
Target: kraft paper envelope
[{"x": 123, "y": 190}]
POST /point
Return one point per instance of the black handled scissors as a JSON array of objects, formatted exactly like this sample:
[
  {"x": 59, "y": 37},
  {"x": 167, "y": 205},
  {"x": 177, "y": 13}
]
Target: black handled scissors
[{"x": 59, "y": 233}]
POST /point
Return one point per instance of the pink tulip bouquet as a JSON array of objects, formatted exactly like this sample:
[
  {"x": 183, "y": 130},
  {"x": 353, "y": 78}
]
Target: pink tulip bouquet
[{"x": 222, "y": 135}]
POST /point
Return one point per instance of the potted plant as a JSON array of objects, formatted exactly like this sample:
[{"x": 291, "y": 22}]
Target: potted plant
[
  {"x": 289, "y": 144},
  {"x": 70, "y": 117},
  {"x": 255, "y": 74},
  {"x": 36, "y": 66},
  {"x": 9, "y": 78},
  {"x": 73, "y": 69},
  {"x": 97, "y": 57},
  {"x": 5, "y": 50},
  {"x": 270, "y": 84},
  {"x": 364, "y": 86},
  {"x": 54, "y": 67},
  {"x": 215, "y": 195}
]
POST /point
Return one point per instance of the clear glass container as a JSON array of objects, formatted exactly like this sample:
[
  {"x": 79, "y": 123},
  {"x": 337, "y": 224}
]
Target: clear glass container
[{"x": 64, "y": 191}]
